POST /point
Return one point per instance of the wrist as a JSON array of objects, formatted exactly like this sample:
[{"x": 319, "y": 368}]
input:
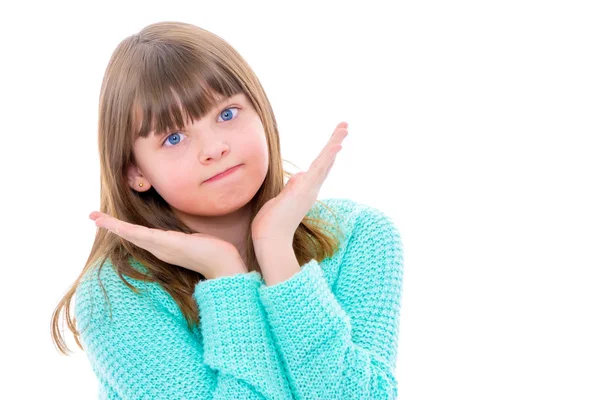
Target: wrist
[
  {"x": 272, "y": 248},
  {"x": 274, "y": 253},
  {"x": 233, "y": 267},
  {"x": 232, "y": 272},
  {"x": 278, "y": 263}
]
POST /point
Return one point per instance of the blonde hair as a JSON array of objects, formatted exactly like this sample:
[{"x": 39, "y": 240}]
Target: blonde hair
[{"x": 152, "y": 77}]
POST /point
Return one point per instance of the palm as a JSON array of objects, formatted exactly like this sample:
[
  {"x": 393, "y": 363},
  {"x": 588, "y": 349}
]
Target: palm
[
  {"x": 284, "y": 205},
  {"x": 279, "y": 217},
  {"x": 199, "y": 252},
  {"x": 258, "y": 221}
]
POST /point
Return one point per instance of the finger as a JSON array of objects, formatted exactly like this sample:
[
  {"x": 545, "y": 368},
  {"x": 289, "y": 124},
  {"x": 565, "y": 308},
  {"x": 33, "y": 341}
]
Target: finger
[
  {"x": 342, "y": 124},
  {"x": 165, "y": 245},
  {"x": 94, "y": 215},
  {"x": 318, "y": 173},
  {"x": 327, "y": 154},
  {"x": 338, "y": 135},
  {"x": 341, "y": 127},
  {"x": 321, "y": 165},
  {"x": 139, "y": 235},
  {"x": 325, "y": 174}
]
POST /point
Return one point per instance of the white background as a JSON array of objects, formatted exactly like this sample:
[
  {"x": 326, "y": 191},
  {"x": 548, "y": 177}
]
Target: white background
[{"x": 473, "y": 124}]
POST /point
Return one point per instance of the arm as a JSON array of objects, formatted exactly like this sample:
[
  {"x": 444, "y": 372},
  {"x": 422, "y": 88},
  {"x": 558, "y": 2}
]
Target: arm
[
  {"x": 238, "y": 342},
  {"x": 341, "y": 346},
  {"x": 146, "y": 350}
]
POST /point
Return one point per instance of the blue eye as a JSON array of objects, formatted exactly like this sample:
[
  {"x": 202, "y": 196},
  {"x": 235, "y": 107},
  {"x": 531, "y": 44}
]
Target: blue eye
[
  {"x": 172, "y": 136},
  {"x": 226, "y": 113}
]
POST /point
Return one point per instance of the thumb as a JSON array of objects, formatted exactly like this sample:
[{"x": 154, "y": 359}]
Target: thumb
[
  {"x": 292, "y": 182},
  {"x": 294, "y": 178}
]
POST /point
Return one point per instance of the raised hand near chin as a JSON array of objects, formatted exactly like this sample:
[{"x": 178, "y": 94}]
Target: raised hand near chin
[
  {"x": 208, "y": 255},
  {"x": 277, "y": 221}
]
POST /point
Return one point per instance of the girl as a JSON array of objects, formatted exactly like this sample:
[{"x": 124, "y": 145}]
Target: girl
[{"x": 211, "y": 278}]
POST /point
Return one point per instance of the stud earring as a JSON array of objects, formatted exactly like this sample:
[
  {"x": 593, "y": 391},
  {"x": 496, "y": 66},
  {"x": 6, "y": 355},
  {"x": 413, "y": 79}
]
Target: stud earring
[{"x": 140, "y": 184}]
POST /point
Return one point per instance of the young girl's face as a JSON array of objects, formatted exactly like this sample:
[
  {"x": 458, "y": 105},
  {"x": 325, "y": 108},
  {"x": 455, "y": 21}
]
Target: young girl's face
[{"x": 178, "y": 163}]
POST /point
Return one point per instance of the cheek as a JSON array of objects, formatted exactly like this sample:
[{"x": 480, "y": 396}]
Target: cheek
[
  {"x": 171, "y": 174},
  {"x": 170, "y": 183},
  {"x": 256, "y": 150}
]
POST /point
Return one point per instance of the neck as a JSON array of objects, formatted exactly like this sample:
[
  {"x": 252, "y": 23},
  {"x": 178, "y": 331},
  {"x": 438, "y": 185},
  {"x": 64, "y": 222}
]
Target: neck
[{"x": 232, "y": 227}]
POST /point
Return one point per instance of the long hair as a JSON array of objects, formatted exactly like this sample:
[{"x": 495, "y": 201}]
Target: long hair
[{"x": 152, "y": 78}]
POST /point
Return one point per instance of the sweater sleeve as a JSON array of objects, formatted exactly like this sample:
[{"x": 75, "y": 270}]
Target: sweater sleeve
[
  {"x": 146, "y": 351},
  {"x": 343, "y": 346},
  {"x": 238, "y": 342}
]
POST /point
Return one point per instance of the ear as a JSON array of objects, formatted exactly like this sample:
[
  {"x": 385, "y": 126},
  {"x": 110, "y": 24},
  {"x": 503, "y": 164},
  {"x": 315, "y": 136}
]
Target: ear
[{"x": 135, "y": 177}]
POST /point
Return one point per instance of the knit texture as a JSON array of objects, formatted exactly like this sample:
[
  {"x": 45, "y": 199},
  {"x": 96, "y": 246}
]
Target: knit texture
[{"x": 328, "y": 332}]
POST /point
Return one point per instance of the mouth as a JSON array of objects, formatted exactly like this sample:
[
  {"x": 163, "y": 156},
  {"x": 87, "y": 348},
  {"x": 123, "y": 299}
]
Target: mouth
[{"x": 223, "y": 174}]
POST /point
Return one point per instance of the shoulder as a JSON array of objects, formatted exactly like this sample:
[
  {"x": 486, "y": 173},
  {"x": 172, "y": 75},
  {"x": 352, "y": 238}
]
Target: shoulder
[
  {"x": 102, "y": 295},
  {"x": 106, "y": 276},
  {"x": 340, "y": 212},
  {"x": 344, "y": 206},
  {"x": 356, "y": 218},
  {"x": 372, "y": 250},
  {"x": 370, "y": 247}
]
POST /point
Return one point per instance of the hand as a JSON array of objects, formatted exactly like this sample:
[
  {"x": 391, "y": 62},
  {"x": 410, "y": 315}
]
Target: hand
[
  {"x": 208, "y": 255},
  {"x": 279, "y": 217}
]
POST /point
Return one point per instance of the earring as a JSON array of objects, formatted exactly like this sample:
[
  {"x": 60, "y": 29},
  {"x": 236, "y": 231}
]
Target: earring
[{"x": 140, "y": 184}]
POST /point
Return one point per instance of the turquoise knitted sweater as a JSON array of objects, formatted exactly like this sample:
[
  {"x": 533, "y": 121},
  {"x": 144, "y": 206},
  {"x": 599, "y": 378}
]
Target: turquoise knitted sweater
[{"x": 328, "y": 332}]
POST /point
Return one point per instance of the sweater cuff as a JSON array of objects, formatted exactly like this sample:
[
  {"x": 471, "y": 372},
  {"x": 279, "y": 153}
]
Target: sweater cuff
[
  {"x": 303, "y": 312},
  {"x": 230, "y": 317}
]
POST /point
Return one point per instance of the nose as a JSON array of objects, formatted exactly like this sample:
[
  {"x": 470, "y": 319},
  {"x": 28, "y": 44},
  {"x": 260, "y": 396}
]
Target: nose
[{"x": 211, "y": 147}]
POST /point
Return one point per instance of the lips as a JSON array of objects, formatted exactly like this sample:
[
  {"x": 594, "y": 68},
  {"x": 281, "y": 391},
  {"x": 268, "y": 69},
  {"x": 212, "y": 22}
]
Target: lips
[{"x": 222, "y": 172}]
